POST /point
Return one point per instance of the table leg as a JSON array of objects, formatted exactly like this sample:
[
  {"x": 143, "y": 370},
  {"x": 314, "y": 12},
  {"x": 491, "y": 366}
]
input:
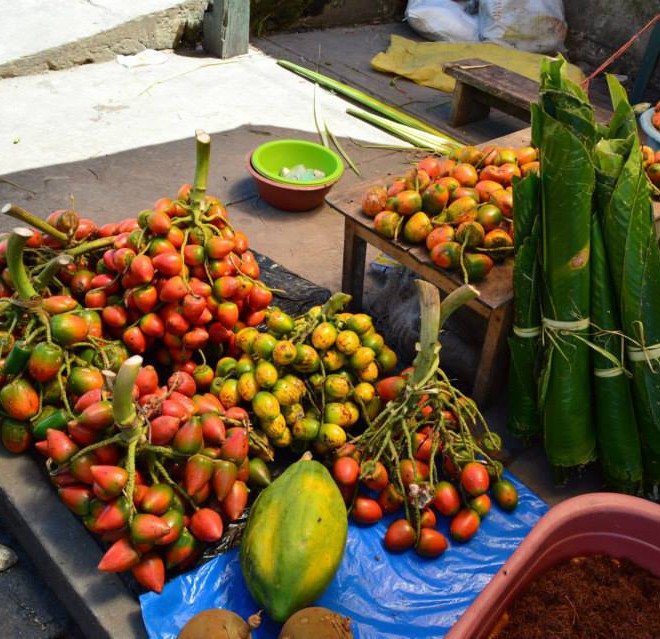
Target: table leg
[
  {"x": 355, "y": 253},
  {"x": 492, "y": 363},
  {"x": 466, "y": 106}
]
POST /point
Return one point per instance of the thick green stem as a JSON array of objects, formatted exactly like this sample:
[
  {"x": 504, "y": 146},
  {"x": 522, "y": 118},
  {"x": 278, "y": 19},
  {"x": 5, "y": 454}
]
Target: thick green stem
[
  {"x": 19, "y": 277},
  {"x": 203, "y": 149},
  {"x": 115, "y": 439},
  {"x": 164, "y": 451},
  {"x": 123, "y": 406},
  {"x": 25, "y": 216},
  {"x": 426, "y": 362},
  {"x": 455, "y": 300},
  {"x": 86, "y": 247},
  {"x": 130, "y": 484},
  {"x": 50, "y": 271}
]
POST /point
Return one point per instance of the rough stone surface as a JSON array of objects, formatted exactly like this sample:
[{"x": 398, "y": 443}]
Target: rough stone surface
[
  {"x": 65, "y": 555},
  {"x": 8, "y": 558},
  {"x": 597, "y": 28},
  {"x": 163, "y": 29},
  {"x": 269, "y": 15},
  {"x": 27, "y": 608}
]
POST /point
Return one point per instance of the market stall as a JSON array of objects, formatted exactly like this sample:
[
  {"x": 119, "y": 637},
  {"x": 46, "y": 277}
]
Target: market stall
[{"x": 201, "y": 410}]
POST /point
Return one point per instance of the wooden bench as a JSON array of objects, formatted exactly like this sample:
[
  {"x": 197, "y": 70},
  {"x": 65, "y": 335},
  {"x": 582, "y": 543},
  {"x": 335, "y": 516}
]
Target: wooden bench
[
  {"x": 494, "y": 305},
  {"x": 481, "y": 85}
]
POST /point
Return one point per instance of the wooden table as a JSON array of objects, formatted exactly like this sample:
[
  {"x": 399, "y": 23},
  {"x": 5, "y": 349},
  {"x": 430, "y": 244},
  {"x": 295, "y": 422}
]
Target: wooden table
[
  {"x": 481, "y": 85},
  {"x": 494, "y": 305}
]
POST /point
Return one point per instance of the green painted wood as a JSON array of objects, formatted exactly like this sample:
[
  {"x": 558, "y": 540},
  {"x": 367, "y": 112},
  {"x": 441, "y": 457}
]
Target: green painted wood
[{"x": 227, "y": 28}]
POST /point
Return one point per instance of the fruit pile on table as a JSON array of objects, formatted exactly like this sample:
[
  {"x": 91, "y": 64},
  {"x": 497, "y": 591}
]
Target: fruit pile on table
[{"x": 460, "y": 207}]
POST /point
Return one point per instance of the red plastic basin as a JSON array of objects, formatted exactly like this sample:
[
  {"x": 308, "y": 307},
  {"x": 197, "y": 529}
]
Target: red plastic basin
[
  {"x": 597, "y": 523},
  {"x": 288, "y": 197}
]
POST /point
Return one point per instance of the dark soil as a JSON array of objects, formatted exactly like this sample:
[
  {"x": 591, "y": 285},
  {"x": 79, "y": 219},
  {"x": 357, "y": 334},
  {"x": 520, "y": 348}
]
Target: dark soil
[{"x": 592, "y": 597}]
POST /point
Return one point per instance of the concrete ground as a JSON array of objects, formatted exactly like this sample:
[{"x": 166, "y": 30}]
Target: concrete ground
[
  {"x": 42, "y": 36},
  {"x": 110, "y": 140}
]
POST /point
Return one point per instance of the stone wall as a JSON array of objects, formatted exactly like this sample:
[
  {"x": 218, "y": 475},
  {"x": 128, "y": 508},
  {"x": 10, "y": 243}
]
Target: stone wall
[
  {"x": 271, "y": 15},
  {"x": 597, "y": 28}
]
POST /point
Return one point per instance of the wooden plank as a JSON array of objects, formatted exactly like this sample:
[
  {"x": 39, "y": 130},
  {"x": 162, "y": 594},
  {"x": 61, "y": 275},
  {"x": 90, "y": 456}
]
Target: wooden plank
[
  {"x": 494, "y": 357},
  {"x": 494, "y": 81},
  {"x": 500, "y": 88},
  {"x": 467, "y": 106},
  {"x": 355, "y": 253},
  {"x": 227, "y": 28}
]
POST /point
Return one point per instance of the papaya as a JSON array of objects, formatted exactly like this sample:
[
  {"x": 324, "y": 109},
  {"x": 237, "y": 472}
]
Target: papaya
[{"x": 294, "y": 539}]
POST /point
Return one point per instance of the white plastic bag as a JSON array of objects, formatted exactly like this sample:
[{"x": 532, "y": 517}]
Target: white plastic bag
[
  {"x": 442, "y": 20},
  {"x": 530, "y": 25}
]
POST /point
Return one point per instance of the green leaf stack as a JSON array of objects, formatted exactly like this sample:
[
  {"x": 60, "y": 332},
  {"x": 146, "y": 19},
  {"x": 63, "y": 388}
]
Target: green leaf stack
[
  {"x": 567, "y": 132},
  {"x": 587, "y": 256},
  {"x": 524, "y": 343},
  {"x": 631, "y": 243}
]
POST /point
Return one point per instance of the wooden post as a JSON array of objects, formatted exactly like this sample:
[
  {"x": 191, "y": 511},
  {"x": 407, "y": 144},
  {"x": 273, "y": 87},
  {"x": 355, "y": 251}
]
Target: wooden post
[
  {"x": 355, "y": 254},
  {"x": 227, "y": 28}
]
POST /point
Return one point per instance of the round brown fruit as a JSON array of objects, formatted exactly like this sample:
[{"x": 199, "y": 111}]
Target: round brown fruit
[
  {"x": 446, "y": 499},
  {"x": 405, "y": 203},
  {"x": 470, "y": 234},
  {"x": 503, "y": 200},
  {"x": 216, "y": 624},
  {"x": 374, "y": 200},
  {"x": 462, "y": 210},
  {"x": 526, "y": 154},
  {"x": 464, "y": 525},
  {"x": 417, "y": 228},
  {"x": 477, "y": 266},
  {"x": 499, "y": 242},
  {"x": 399, "y": 536},
  {"x": 431, "y": 165},
  {"x": 447, "y": 255},
  {"x": 431, "y": 543},
  {"x": 489, "y": 216},
  {"x": 435, "y": 198},
  {"x": 417, "y": 180},
  {"x": 505, "y": 494},
  {"x": 319, "y": 623},
  {"x": 442, "y": 233},
  {"x": 530, "y": 167},
  {"x": 474, "y": 479},
  {"x": 466, "y": 174},
  {"x": 386, "y": 224},
  {"x": 485, "y": 188}
]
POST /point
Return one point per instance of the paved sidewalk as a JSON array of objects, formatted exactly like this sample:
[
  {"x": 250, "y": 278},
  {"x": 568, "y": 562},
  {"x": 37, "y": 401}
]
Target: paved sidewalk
[
  {"x": 38, "y": 36},
  {"x": 100, "y": 109}
]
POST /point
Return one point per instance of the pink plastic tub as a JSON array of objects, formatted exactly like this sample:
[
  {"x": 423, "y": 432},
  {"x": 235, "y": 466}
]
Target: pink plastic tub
[{"x": 597, "y": 523}]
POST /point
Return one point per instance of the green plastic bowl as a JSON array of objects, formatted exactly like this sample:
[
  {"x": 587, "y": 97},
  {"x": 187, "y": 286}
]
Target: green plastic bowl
[{"x": 268, "y": 159}]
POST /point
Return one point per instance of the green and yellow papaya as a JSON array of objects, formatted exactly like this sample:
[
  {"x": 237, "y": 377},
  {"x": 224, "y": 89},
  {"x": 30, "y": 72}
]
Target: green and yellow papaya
[{"x": 294, "y": 539}]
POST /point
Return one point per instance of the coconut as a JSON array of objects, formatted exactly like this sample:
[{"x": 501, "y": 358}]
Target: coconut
[
  {"x": 319, "y": 623},
  {"x": 219, "y": 624}
]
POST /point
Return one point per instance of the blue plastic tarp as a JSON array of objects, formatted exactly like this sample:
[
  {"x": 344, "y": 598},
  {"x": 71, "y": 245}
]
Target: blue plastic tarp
[{"x": 387, "y": 596}]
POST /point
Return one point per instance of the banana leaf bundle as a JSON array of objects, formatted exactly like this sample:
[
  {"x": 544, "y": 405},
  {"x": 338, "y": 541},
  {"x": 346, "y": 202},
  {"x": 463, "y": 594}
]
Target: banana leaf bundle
[
  {"x": 524, "y": 418},
  {"x": 567, "y": 131},
  {"x": 619, "y": 448},
  {"x": 631, "y": 244}
]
